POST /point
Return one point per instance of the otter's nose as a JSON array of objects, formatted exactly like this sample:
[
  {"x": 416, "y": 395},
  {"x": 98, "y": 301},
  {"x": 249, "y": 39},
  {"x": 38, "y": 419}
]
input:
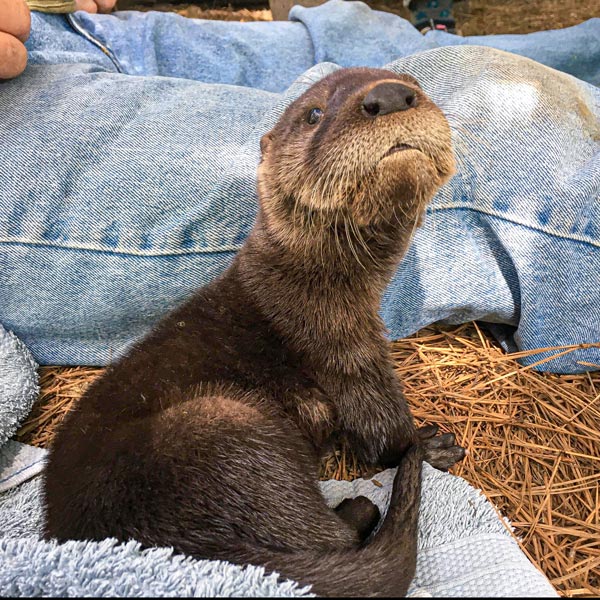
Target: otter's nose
[{"x": 389, "y": 97}]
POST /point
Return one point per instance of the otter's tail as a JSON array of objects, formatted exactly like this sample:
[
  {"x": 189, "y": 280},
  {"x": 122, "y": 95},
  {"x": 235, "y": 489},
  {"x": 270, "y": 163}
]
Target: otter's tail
[{"x": 383, "y": 566}]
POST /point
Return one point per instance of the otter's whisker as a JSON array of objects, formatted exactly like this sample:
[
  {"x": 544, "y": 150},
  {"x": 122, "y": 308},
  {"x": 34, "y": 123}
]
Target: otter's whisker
[
  {"x": 338, "y": 244},
  {"x": 352, "y": 248},
  {"x": 362, "y": 241}
]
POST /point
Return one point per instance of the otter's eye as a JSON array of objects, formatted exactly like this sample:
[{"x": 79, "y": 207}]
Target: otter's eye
[{"x": 314, "y": 116}]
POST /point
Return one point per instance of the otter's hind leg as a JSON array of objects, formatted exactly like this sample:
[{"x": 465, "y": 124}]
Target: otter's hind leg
[
  {"x": 222, "y": 474},
  {"x": 360, "y": 513}
]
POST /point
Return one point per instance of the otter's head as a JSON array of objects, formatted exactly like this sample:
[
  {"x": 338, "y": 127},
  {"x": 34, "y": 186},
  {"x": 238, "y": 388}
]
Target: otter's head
[{"x": 364, "y": 145}]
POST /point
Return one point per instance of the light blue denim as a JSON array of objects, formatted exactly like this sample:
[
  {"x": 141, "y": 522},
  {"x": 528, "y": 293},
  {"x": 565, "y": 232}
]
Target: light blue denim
[{"x": 129, "y": 173}]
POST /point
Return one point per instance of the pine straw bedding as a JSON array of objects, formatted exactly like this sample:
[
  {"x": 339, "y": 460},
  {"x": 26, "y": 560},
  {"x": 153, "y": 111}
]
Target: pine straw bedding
[
  {"x": 533, "y": 441},
  {"x": 533, "y": 438}
]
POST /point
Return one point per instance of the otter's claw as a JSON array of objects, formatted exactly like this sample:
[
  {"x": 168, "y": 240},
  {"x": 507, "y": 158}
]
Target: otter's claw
[{"x": 441, "y": 451}]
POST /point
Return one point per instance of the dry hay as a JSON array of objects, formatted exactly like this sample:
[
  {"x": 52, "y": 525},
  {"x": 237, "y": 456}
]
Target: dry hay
[
  {"x": 533, "y": 441},
  {"x": 59, "y": 387}
]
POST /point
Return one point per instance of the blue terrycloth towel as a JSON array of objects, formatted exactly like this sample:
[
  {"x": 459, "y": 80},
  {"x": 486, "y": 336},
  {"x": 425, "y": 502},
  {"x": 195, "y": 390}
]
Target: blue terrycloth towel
[
  {"x": 464, "y": 548},
  {"x": 18, "y": 383}
]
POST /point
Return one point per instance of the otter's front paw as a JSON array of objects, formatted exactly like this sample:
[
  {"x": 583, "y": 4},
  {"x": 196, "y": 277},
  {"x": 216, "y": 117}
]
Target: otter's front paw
[{"x": 441, "y": 451}]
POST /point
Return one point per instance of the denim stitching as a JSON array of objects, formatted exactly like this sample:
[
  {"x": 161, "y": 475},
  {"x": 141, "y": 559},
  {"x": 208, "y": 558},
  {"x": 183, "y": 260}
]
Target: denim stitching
[
  {"x": 80, "y": 29},
  {"x": 514, "y": 221},
  {"x": 236, "y": 248},
  {"x": 13, "y": 475},
  {"x": 166, "y": 253}
]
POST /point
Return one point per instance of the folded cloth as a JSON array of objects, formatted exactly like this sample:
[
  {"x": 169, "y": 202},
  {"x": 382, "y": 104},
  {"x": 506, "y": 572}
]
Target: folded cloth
[
  {"x": 18, "y": 383},
  {"x": 18, "y": 463},
  {"x": 464, "y": 550}
]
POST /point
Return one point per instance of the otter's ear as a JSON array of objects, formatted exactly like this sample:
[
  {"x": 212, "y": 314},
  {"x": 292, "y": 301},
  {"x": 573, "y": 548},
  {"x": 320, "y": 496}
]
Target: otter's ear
[{"x": 265, "y": 142}]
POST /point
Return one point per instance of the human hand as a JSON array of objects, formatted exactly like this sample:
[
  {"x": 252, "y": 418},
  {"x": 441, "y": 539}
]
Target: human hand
[
  {"x": 15, "y": 23},
  {"x": 95, "y": 6}
]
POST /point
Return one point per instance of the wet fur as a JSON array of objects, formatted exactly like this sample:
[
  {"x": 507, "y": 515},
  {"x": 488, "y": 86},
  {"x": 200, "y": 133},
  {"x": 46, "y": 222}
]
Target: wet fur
[{"x": 206, "y": 435}]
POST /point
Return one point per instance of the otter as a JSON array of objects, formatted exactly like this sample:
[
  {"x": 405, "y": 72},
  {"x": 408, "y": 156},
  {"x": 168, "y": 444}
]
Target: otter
[{"x": 206, "y": 435}]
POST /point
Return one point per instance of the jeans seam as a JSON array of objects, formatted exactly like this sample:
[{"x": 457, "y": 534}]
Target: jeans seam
[
  {"x": 236, "y": 248},
  {"x": 492, "y": 213},
  {"x": 83, "y": 32},
  {"x": 139, "y": 253}
]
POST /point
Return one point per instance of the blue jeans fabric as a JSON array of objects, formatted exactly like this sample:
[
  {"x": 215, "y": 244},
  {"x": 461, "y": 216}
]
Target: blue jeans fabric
[
  {"x": 129, "y": 148},
  {"x": 272, "y": 55}
]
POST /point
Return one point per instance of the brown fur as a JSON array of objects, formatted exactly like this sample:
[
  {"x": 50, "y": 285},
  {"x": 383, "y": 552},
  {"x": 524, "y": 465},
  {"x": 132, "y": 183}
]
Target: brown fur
[{"x": 205, "y": 437}]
